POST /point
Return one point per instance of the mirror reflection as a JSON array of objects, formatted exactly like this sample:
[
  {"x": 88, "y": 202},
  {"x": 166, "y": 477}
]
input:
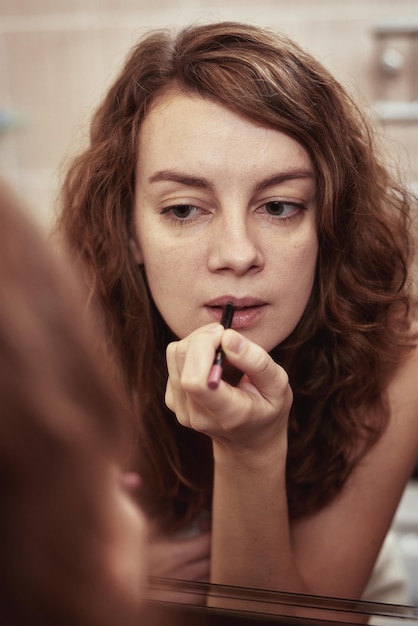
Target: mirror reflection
[{"x": 230, "y": 164}]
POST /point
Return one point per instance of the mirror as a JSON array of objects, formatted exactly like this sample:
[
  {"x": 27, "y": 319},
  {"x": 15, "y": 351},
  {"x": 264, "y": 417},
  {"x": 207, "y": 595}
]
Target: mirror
[{"x": 57, "y": 63}]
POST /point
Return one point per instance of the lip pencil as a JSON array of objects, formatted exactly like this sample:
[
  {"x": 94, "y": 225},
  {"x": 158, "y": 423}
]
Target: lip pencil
[{"x": 215, "y": 374}]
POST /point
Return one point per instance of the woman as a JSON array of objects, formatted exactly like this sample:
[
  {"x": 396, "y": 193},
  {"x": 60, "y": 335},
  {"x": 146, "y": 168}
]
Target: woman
[
  {"x": 72, "y": 538},
  {"x": 225, "y": 164}
]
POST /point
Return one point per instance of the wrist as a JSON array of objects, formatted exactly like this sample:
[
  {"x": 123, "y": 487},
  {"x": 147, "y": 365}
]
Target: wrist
[{"x": 269, "y": 454}]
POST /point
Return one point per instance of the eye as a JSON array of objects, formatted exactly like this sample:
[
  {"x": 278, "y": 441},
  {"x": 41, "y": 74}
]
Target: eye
[
  {"x": 279, "y": 208},
  {"x": 181, "y": 211},
  {"x": 184, "y": 214}
]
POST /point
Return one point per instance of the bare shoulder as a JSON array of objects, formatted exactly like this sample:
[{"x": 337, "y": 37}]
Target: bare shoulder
[
  {"x": 339, "y": 544},
  {"x": 399, "y": 442}
]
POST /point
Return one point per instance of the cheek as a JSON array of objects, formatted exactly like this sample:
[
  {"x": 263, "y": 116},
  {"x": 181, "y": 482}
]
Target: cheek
[
  {"x": 298, "y": 258},
  {"x": 307, "y": 259},
  {"x": 303, "y": 273},
  {"x": 167, "y": 269},
  {"x": 299, "y": 280},
  {"x": 171, "y": 273},
  {"x": 302, "y": 281}
]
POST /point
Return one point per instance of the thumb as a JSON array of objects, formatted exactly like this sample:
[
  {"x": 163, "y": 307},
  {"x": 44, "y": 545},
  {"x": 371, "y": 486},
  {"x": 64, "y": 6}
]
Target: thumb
[{"x": 261, "y": 373}]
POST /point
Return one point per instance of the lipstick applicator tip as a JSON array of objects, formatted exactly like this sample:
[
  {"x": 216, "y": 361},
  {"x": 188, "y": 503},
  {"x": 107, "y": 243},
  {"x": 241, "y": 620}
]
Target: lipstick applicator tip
[{"x": 215, "y": 374}]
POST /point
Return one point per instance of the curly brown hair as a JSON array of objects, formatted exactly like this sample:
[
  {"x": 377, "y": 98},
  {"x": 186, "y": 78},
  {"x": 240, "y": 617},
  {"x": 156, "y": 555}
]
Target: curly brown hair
[
  {"x": 355, "y": 329},
  {"x": 62, "y": 431}
]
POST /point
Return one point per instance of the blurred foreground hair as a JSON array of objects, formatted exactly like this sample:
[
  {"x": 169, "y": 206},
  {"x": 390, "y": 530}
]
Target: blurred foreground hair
[{"x": 61, "y": 431}]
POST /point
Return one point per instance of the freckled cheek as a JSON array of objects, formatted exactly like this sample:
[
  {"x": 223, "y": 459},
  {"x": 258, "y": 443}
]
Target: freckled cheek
[
  {"x": 169, "y": 270},
  {"x": 301, "y": 266},
  {"x": 308, "y": 272},
  {"x": 295, "y": 279},
  {"x": 307, "y": 253}
]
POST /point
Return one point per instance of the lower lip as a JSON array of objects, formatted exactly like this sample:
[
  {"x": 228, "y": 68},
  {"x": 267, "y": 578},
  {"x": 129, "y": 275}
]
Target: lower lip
[{"x": 242, "y": 317}]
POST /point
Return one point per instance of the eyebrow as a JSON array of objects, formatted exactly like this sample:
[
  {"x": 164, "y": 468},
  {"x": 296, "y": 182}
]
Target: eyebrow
[
  {"x": 182, "y": 178},
  {"x": 204, "y": 183}
]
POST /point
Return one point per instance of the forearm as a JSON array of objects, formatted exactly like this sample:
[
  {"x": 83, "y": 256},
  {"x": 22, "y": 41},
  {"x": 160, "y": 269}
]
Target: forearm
[{"x": 251, "y": 544}]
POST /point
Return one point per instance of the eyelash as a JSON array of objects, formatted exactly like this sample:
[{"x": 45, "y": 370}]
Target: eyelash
[
  {"x": 296, "y": 206},
  {"x": 169, "y": 211}
]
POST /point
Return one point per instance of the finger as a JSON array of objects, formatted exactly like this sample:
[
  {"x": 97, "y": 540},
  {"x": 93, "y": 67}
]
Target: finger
[
  {"x": 188, "y": 363},
  {"x": 173, "y": 394},
  {"x": 172, "y": 555},
  {"x": 194, "y": 570},
  {"x": 262, "y": 374},
  {"x": 197, "y": 570},
  {"x": 201, "y": 347}
]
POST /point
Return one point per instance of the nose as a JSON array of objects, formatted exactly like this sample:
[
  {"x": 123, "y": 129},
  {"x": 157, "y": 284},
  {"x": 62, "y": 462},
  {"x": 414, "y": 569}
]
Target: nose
[{"x": 236, "y": 248}]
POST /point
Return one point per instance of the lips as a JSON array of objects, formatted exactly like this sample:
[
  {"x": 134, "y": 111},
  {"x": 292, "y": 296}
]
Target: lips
[
  {"x": 239, "y": 303},
  {"x": 248, "y": 310}
]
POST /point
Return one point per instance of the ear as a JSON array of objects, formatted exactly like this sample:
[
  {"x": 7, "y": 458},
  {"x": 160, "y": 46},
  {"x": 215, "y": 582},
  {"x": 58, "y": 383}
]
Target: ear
[{"x": 136, "y": 251}]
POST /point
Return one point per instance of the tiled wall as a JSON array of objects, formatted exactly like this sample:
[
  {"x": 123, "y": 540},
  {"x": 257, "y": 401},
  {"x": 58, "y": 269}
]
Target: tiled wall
[{"x": 58, "y": 56}]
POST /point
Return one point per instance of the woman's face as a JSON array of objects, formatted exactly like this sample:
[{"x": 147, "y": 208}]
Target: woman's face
[{"x": 225, "y": 211}]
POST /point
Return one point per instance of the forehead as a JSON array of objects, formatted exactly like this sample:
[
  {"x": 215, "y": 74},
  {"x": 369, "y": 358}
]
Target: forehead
[{"x": 189, "y": 128}]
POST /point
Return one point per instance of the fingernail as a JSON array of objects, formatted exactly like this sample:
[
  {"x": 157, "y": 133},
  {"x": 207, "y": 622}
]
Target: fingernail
[
  {"x": 215, "y": 328},
  {"x": 130, "y": 480}
]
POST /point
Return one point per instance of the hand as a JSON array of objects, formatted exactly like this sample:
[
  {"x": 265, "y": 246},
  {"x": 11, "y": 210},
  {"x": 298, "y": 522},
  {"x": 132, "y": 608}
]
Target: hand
[
  {"x": 252, "y": 414},
  {"x": 185, "y": 558}
]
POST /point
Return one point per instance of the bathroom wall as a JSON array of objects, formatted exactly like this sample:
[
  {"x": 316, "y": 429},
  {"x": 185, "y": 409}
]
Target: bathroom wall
[{"x": 58, "y": 56}]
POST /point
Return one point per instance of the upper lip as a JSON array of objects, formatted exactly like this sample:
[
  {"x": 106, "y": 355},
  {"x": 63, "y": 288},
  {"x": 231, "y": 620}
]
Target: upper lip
[{"x": 239, "y": 303}]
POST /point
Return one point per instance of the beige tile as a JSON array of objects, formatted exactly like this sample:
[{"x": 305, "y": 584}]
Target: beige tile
[
  {"x": 23, "y": 7},
  {"x": 403, "y": 140},
  {"x": 26, "y": 8},
  {"x": 137, "y": 5},
  {"x": 51, "y": 80}
]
